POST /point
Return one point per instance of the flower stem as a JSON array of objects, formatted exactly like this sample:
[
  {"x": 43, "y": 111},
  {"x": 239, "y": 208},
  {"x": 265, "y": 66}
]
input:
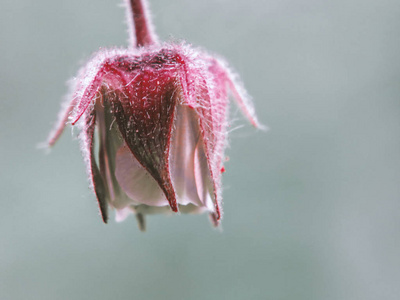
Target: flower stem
[{"x": 141, "y": 28}]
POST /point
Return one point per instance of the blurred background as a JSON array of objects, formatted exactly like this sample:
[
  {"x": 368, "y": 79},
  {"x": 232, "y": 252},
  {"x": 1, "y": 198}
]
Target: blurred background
[{"x": 312, "y": 208}]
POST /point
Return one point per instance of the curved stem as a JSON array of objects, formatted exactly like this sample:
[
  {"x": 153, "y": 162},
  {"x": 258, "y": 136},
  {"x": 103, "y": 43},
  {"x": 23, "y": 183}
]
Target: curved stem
[{"x": 141, "y": 28}]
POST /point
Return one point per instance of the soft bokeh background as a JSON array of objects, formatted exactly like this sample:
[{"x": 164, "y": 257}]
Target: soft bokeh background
[{"x": 312, "y": 208}]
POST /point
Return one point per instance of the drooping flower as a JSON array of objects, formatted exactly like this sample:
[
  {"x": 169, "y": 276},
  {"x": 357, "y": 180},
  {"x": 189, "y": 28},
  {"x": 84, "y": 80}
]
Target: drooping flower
[{"x": 153, "y": 124}]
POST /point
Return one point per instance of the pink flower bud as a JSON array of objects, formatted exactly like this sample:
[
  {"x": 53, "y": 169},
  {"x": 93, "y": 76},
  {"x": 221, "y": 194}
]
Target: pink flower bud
[{"x": 153, "y": 124}]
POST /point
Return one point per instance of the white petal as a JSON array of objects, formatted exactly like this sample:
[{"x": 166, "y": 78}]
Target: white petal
[
  {"x": 182, "y": 153},
  {"x": 135, "y": 181},
  {"x": 122, "y": 214},
  {"x": 109, "y": 142},
  {"x": 203, "y": 177}
]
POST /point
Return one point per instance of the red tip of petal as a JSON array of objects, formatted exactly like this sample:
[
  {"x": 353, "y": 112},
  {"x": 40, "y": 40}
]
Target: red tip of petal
[{"x": 215, "y": 219}]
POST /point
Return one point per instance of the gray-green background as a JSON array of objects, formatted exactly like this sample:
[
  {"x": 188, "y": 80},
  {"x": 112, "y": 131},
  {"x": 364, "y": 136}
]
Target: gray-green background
[{"x": 312, "y": 208}]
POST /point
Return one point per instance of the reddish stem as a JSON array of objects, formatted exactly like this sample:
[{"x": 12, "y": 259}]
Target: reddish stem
[{"x": 142, "y": 26}]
